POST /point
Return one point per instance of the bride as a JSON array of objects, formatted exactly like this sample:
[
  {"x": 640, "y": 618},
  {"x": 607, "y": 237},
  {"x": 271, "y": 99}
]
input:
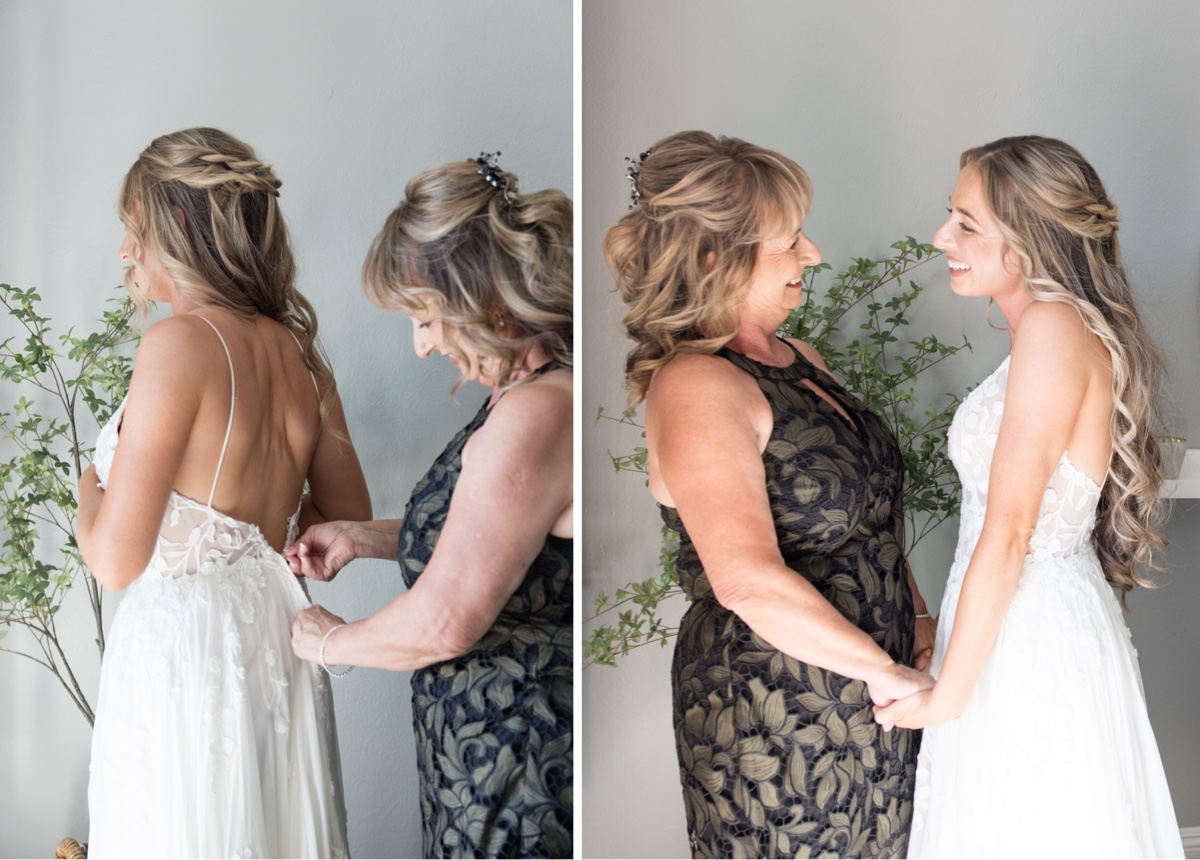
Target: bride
[
  {"x": 1040, "y": 741},
  {"x": 211, "y": 737}
]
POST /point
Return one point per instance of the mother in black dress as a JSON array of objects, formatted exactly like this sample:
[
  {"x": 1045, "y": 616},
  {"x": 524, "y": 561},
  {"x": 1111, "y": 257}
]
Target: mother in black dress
[
  {"x": 785, "y": 492},
  {"x": 485, "y": 545}
]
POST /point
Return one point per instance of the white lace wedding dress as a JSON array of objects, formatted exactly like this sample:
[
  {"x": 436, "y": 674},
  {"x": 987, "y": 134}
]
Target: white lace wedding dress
[
  {"x": 1053, "y": 755},
  {"x": 212, "y": 739}
]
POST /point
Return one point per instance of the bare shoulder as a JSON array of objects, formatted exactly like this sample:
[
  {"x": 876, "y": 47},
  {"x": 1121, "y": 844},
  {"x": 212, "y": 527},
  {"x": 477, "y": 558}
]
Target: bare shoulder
[
  {"x": 1050, "y": 325},
  {"x": 534, "y": 414},
  {"x": 181, "y": 346},
  {"x": 692, "y": 377},
  {"x": 810, "y": 353}
]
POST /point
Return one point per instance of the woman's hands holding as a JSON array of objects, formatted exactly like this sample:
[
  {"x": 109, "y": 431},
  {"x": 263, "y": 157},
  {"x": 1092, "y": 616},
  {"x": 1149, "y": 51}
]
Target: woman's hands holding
[
  {"x": 917, "y": 711},
  {"x": 896, "y": 682},
  {"x": 308, "y": 631},
  {"x": 323, "y": 550}
]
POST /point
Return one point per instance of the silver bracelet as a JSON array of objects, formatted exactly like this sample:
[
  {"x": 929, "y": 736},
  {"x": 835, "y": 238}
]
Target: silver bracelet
[
  {"x": 919, "y": 615},
  {"x": 321, "y": 656}
]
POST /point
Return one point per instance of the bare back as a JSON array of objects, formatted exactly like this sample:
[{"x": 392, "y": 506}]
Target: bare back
[{"x": 274, "y": 429}]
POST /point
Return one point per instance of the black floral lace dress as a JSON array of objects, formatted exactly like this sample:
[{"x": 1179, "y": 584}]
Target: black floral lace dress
[
  {"x": 493, "y": 726},
  {"x": 779, "y": 758}
]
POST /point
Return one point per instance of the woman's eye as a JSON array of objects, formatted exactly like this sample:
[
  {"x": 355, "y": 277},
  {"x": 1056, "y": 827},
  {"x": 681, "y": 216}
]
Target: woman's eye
[{"x": 965, "y": 228}]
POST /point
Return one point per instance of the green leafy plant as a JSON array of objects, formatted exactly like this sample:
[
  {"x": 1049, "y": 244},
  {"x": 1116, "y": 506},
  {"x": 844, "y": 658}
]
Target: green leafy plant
[
  {"x": 43, "y": 457},
  {"x": 859, "y": 325}
]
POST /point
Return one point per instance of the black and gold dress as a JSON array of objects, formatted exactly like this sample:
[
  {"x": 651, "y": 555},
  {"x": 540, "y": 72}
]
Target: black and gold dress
[
  {"x": 493, "y": 725},
  {"x": 779, "y": 758}
]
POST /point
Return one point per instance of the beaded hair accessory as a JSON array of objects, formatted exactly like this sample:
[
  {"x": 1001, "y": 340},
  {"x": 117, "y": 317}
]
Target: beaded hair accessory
[
  {"x": 489, "y": 169},
  {"x": 633, "y": 173}
]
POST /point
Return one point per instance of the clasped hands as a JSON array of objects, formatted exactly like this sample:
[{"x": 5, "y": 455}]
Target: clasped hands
[{"x": 905, "y": 697}]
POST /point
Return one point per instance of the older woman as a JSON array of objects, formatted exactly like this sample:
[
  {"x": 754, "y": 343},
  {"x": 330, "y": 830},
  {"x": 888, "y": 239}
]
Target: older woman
[
  {"x": 485, "y": 275},
  {"x": 785, "y": 492}
]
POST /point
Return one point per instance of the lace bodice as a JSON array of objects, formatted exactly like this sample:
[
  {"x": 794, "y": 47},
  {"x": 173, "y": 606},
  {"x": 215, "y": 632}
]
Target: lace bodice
[
  {"x": 194, "y": 536},
  {"x": 1068, "y": 511}
]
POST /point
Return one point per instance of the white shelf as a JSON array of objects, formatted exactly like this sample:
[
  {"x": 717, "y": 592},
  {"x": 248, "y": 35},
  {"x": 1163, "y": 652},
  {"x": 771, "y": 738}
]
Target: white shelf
[{"x": 1188, "y": 484}]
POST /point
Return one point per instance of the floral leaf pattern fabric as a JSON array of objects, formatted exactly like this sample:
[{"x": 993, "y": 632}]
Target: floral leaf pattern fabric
[
  {"x": 493, "y": 726},
  {"x": 779, "y": 758}
]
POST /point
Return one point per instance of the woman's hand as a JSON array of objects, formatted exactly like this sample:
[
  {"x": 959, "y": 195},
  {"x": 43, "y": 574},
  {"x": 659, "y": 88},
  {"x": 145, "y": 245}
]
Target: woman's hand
[
  {"x": 917, "y": 711},
  {"x": 308, "y": 631},
  {"x": 926, "y": 633},
  {"x": 323, "y": 550},
  {"x": 896, "y": 682}
]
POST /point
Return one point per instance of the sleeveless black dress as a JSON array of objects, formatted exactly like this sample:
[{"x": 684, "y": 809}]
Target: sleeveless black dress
[
  {"x": 493, "y": 726},
  {"x": 779, "y": 758}
]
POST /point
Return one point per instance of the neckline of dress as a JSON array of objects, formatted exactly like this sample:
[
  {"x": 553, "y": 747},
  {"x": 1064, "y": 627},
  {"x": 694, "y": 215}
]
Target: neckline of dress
[
  {"x": 798, "y": 363},
  {"x": 552, "y": 364}
]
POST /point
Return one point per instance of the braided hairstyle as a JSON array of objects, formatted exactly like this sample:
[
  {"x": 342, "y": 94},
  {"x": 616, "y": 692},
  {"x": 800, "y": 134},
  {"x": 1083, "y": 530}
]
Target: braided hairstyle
[
  {"x": 494, "y": 264},
  {"x": 1055, "y": 215},
  {"x": 206, "y": 205}
]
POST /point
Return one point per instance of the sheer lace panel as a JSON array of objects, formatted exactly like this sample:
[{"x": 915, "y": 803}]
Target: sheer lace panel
[{"x": 1068, "y": 510}]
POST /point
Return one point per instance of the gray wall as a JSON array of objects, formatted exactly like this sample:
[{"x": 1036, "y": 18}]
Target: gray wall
[
  {"x": 347, "y": 101},
  {"x": 876, "y": 100}
]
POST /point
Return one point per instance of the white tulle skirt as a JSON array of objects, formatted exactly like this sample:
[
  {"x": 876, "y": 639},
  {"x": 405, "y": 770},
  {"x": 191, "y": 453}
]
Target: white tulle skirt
[
  {"x": 211, "y": 738},
  {"x": 1054, "y": 755}
]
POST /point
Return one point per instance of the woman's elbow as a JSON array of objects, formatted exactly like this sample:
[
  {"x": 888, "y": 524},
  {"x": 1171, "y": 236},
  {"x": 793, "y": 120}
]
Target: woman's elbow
[
  {"x": 736, "y": 590},
  {"x": 113, "y": 570},
  {"x": 456, "y": 637}
]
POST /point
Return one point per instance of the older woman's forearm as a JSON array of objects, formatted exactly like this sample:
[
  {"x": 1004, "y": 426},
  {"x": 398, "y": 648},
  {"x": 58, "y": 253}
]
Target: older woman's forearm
[
  {"x": 409, "y": 633},
  {"x": 376, "y": 538},
  {"x": 788, "y": 612}
]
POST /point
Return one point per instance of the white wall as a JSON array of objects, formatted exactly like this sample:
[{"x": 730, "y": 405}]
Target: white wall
[
  {"x": 876, "y": 100},
  {"x": 347, "y": 101}
]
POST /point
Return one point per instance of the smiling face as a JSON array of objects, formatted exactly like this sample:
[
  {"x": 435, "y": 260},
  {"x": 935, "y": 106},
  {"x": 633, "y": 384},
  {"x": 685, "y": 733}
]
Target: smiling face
[
  {"x": 429, "y": 336},
  {"x": 776, "y": 284},
  {"x": 981, "y": 263}
]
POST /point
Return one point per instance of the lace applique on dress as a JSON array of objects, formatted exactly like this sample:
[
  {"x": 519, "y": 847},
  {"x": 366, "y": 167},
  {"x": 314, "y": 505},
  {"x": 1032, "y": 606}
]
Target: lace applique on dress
[
  {"x": 211, "y": 736},
  {"x": 1056, "y": 721}
]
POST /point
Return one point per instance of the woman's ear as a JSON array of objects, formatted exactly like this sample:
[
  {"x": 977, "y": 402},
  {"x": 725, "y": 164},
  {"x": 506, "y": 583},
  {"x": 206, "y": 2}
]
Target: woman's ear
[
  {"x": 710, "y": 262},
  {"x": 179, "y": 216}
]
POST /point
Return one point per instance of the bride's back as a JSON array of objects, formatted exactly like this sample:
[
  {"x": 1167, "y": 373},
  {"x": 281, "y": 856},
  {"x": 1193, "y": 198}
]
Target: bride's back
[{"x": 275, "y": 424}]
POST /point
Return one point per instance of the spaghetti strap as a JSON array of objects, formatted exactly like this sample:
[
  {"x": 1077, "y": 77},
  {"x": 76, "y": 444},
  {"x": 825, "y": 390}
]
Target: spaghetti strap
[
  {"x": 311, "y": 375},
  {"x": 232, "y": 399}
]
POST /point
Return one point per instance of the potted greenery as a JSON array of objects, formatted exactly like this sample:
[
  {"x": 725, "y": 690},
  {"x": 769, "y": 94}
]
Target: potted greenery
[
  {"x": 859, "y": 325},
  {"x": 59, "y": 380}
]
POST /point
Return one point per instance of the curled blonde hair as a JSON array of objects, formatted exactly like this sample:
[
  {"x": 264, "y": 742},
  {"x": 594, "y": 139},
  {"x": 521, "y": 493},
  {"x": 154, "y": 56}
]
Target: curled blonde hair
[
  {"x": 687, "y": 248},
  {"x": 206, "y": 205},
  {"x": 499, "y": 274},
  {"x": 1055, "y": 215}
]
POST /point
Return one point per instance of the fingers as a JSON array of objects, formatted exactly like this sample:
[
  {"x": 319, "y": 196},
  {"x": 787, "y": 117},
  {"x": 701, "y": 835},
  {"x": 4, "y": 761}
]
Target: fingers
[
  {"x": 884, "y": 718},
  {"x": 924, "y": 660}
]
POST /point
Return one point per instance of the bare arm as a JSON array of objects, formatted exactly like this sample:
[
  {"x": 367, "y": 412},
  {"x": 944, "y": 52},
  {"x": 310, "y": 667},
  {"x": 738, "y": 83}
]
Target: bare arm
[
  {"x": 337, "y": 488},
  {"x": 117, "y": 528},
  {"x": 1048, "y": 378},
  {"x": 702, "y": 410},
  {"x": 515, "y": 482}
]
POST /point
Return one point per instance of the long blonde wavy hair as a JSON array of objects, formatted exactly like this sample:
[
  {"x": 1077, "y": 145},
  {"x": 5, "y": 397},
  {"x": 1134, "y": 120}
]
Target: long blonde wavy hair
[
  {"x": 1055, "y": 215},
  {"x": 206, "y": 205},
  {"x": 688, "y": 246},
  {"x": 499, "y": 274}
]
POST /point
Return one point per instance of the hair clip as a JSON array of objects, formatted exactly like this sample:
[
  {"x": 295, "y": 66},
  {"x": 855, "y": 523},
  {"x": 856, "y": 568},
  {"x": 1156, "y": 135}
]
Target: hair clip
[
  {"x": 489, "y": 169},
  {"x": 633, "y": 173}
]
